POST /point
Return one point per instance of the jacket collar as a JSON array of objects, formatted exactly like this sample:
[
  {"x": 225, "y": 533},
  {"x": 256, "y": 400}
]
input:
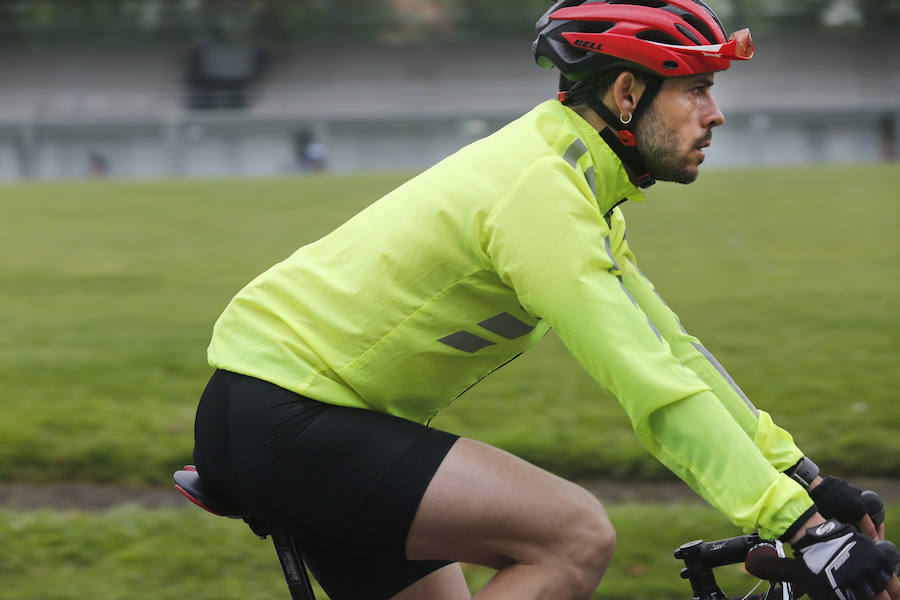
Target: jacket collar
[{"x": 613, "y": 183}]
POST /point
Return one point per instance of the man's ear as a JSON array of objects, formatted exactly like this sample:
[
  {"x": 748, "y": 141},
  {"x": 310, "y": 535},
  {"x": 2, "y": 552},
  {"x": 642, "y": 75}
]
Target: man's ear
[{"x": 626, "y": 93}]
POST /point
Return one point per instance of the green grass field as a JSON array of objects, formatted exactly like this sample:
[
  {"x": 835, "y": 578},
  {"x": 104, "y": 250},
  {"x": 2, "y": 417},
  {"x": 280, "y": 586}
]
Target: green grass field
[
  {"x": 110, "y": 290},
  {"x": 174, "y": 554}
]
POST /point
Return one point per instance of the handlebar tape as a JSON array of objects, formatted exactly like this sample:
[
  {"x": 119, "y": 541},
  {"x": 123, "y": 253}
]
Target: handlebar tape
[{"x": 763, "y": 562}]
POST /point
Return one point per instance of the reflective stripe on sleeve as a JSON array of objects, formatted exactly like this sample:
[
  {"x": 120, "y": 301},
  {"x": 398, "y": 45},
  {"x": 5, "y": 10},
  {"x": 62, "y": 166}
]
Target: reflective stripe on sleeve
[
  {"x": 715, "y": 363},
  {"x": 608, "y": 244},
  {"x": 591, "y": 179}
]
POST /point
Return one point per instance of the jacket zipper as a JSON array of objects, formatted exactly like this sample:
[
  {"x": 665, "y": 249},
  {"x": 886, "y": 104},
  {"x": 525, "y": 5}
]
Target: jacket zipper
[{"x": 477, "y": 381}]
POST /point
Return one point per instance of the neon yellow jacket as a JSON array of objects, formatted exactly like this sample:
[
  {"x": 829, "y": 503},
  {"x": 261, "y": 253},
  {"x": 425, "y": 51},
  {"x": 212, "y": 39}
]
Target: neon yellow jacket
[{"x": 451, "y": 275}]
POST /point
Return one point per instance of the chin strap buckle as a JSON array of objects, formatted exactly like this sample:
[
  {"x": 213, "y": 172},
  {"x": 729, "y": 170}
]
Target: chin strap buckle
[
  {"x": 627, "y": 138},
  {"x": 643, "y": 181}
]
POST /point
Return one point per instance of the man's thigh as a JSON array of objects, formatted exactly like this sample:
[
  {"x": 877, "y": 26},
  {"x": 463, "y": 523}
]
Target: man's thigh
[{"x": 488, "y": 507}]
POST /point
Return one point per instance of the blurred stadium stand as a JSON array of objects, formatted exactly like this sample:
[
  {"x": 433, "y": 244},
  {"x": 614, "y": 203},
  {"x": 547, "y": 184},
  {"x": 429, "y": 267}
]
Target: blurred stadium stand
[{"x": 145, "y": 113}]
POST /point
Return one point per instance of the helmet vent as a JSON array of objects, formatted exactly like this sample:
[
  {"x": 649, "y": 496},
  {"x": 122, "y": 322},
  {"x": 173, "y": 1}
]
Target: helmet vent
[
  {"x": 545, "y": 18},
  {"x": 712, "y": 14},
  {"x": 701, "y": 27},
  {"x": 659, "y": 37},
  {"x": 688, "y": 33},
  {"x": 594, "y": 27},
  {"x": 670, "y": 64}
]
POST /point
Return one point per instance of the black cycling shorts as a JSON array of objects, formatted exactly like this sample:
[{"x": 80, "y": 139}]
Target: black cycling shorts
[{"x": 345, "y": 481}]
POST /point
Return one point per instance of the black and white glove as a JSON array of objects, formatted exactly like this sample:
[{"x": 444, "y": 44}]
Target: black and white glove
[
  {"x": 841, "y": 564},
  {"x": 837, "y": 499}
]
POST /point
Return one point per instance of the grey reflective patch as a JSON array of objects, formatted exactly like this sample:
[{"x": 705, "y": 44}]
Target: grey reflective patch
[
  {"x": 465, "y": 341},
  {"x": 576, "y": 150},
  {"x": 609, "y": 251},
  {"x": 655, "y": 330},
  {"x": 627, "y": 293},
  {"x": 591, "y": 179},
  {"x": 712, "y": 360},
  {"x": 506, "y": 325}
]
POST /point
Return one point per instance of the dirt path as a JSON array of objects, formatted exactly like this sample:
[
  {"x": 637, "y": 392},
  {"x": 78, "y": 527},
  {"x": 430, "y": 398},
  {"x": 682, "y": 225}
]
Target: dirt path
[{"x": 96, "y": 497}]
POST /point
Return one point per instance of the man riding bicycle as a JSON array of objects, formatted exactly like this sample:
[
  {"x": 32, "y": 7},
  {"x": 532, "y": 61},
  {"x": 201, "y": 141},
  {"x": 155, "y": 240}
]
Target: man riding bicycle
[{"x": 331, "y": 364}]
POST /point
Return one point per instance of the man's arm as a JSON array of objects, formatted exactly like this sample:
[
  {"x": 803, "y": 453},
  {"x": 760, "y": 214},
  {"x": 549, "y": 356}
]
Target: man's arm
[
  {"x": 775, "y": 443},
  {"x": 837, "y": 498},
  {"x": 551, "y": 245}
]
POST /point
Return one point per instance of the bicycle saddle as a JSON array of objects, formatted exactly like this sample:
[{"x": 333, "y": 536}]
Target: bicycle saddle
[{"x": 187, "y": 481}]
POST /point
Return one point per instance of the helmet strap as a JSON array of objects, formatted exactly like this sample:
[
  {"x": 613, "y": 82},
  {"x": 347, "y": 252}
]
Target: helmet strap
[{"x": 619, "y": 133}]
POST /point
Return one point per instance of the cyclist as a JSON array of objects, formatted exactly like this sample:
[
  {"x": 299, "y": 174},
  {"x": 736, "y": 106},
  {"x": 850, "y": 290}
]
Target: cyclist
[{"x": 331, "y": 364}]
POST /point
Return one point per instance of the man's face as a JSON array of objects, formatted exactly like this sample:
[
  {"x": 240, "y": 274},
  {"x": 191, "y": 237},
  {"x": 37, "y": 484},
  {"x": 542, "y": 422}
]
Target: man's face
[{"x": 675, "y": 128}]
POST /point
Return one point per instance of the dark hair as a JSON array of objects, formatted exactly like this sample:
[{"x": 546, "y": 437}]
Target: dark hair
[{"x": 598, "y": 84}]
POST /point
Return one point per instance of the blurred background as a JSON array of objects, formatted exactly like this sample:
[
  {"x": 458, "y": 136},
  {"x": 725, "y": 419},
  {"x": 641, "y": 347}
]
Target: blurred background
[{"x": 204, "y": 88}]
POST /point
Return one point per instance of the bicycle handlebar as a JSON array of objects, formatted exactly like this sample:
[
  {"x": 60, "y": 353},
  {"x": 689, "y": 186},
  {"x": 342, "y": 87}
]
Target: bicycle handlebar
[
  {"x": 763, "y": 562},
  {"x": 718, "y": 553},
  {"x": 759, "y": 556}
]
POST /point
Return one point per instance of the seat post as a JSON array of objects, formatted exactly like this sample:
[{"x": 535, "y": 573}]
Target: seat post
[
  {"x": 292, "y": 565},
  {"x": 187, "y": 481}
]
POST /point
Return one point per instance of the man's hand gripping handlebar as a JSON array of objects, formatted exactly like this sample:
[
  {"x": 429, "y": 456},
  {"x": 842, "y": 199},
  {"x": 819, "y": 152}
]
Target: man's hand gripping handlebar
[{"x": 834, "y": 561}]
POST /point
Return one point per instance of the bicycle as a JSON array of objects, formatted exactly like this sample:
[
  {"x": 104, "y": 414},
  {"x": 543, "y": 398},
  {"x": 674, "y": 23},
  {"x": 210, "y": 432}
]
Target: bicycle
[{"x": 763, "y": 558}]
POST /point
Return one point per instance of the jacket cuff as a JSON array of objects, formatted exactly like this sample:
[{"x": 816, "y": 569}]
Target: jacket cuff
[{"x": 795, "y": 527}]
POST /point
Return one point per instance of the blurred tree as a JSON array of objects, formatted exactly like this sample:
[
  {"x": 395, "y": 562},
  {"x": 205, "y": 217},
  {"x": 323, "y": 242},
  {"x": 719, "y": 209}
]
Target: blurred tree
[
  {"x": 883, "y": 14},
  {"x": 110, "y": 22},
  {"x": 486, "y": 16},
  {"x": 803, "y": 15}
]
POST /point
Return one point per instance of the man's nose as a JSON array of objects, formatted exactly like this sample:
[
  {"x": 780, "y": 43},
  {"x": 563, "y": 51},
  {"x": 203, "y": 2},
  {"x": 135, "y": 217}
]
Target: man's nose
[{"x": 714, "y": 117}]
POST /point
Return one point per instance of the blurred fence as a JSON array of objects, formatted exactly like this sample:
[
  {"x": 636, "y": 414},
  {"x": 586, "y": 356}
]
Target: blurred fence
[{"x": 139, "y": 113}]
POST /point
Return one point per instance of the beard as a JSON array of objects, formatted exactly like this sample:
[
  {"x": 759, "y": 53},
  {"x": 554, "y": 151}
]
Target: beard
[{"x": 658, "y": 147}]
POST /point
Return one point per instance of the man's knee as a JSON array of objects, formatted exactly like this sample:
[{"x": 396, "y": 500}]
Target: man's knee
[{"x": 588, "y": 540}]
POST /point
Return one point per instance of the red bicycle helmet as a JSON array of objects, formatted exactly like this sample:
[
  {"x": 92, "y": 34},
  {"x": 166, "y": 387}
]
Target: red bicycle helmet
[
  {"x": 661, "y": 38},
  {"x": 669, "y": 38}
]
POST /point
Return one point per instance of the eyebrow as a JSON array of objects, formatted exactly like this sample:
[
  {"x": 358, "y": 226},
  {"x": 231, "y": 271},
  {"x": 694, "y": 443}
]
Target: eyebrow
[{"x": 703, "y": 79}]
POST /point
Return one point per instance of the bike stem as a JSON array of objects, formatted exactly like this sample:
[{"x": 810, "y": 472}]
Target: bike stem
[
  {"x": 701, "y": 557},
  {"x": 703, "y": 581}
]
